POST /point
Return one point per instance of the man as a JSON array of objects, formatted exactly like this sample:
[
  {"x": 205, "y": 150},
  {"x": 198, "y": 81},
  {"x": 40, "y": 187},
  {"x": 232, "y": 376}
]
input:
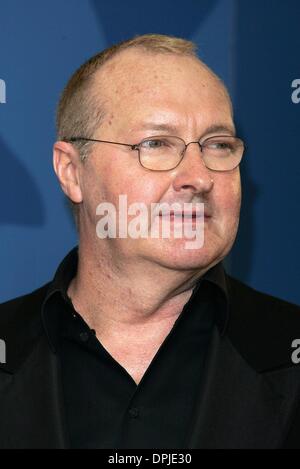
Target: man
[{"x": 140, "y": 342}]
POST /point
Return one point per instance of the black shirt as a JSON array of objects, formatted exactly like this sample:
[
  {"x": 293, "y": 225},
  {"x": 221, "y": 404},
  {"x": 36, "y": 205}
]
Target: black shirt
[{"x": 104, "y": 406}]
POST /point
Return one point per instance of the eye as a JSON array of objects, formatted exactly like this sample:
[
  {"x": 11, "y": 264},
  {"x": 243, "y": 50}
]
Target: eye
[
  {"x": 221, "y": 145},
  {"x": 154, "y": 143}
]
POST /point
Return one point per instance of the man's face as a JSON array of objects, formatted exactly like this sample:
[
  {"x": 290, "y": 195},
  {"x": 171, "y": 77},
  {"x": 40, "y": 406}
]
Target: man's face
[{"x": 156, "y": 94}]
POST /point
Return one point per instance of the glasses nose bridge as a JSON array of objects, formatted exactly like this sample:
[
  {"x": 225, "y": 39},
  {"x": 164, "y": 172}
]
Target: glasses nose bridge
[{"x": 189, "y": 143}]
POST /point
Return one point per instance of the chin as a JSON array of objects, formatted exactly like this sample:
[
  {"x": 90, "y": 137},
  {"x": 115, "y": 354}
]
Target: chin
[{"x": 175, "y": 255}]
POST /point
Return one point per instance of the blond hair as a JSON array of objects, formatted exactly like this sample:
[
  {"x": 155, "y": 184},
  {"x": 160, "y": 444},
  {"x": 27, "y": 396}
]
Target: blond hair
[{"x": 78, "y": 112}]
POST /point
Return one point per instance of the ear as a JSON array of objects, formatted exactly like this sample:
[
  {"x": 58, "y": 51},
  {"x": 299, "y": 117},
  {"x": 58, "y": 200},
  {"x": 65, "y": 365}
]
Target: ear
[{"x": 67, "y": 164}]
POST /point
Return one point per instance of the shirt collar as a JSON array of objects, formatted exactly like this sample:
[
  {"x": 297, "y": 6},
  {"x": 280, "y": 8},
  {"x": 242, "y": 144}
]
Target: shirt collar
[
  {"x": 212, "y": 286},
  {"x": 57, "y": 295}
]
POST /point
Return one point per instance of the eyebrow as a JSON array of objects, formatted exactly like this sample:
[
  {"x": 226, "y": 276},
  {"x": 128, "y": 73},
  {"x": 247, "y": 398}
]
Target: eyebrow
[
  {"x": 220, "y": 128},
  {"x": 156, "y": 126},
  {"x": 215, "y": 128}
]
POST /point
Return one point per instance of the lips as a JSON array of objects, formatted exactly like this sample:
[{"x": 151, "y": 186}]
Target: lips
[
  {"x": 180, "y": 217},
  {"x": 186, "y": 215}
]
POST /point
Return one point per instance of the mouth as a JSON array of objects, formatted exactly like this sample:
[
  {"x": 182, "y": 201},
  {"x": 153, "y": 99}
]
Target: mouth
[{"x": 185, "y": 216}]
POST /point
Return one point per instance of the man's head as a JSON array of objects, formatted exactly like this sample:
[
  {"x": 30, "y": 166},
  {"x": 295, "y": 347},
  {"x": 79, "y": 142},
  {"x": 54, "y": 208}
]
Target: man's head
[{"x": 151, "y": 85}]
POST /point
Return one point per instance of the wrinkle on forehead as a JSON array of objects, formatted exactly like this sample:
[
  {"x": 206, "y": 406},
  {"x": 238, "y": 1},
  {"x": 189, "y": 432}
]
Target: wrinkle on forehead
[
  {"x": 133, "y": 74},
  {"x": 129, "y": 65}
]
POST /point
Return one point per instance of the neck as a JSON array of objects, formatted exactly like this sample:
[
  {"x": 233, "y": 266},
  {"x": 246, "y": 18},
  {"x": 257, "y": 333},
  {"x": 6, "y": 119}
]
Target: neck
[{"x": 132, "y": 293}]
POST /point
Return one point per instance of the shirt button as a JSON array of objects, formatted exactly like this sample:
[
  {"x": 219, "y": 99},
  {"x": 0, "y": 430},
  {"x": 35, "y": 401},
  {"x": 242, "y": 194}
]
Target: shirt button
[
  {"x": 134, "y": 412},
  {"x": 84, "y": 336}
]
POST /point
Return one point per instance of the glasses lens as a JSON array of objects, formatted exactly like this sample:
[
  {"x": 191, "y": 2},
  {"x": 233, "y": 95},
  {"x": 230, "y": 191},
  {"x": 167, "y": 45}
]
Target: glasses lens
[
  {"x": 161, "y": 153},
  {"x": 222, "y": 153}
]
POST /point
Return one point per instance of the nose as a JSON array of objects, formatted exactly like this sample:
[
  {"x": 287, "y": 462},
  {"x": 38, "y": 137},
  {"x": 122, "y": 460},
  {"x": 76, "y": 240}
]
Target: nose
[{"x": 192, "y": 174}]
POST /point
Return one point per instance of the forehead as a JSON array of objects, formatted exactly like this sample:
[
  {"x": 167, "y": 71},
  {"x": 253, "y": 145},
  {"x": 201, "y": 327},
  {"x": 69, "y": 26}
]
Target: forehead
[{"x": 140, "y": 81}]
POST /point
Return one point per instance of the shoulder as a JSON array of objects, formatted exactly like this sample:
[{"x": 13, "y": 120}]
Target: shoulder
[
  {"x": 261, "y": 326},
  {"x": 21, "y": 326},
  {"x": 23, "y": 306},
  {"x": 257, "y": 302}
]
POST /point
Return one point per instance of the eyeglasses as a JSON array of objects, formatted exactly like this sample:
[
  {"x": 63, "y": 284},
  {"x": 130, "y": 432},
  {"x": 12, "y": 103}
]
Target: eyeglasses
[{"x": 163, "y": 153}]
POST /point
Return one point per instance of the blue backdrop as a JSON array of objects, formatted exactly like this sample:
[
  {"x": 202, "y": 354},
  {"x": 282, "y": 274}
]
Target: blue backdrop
[{"x": 253, "y": 45}]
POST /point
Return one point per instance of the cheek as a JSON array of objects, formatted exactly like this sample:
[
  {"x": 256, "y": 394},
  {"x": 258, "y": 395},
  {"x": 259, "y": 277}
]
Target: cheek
[
  {"x": 104, "y": 180},
  {"x": 137, "y": 185},
  {"x": 228, "y": 196}
]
